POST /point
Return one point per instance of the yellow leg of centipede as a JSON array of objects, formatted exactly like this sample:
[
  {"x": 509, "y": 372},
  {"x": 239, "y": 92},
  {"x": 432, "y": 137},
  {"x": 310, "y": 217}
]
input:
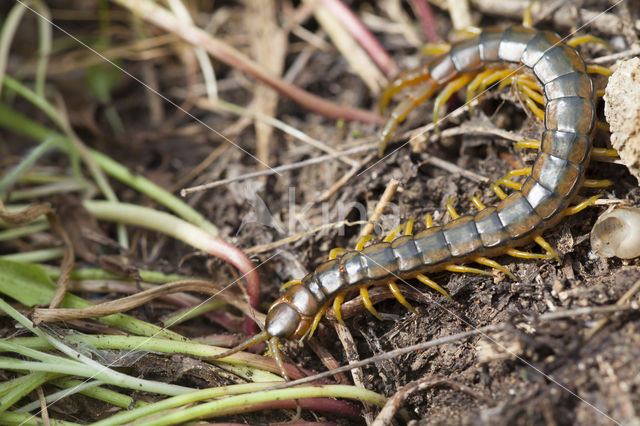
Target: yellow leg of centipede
[
  {"x": 484, "y": 79},
  {"x": 406, "y": 228},
  {"x": 428, "y": 221},
  {"x": 530, "y": 144},
  {"x": 506, "y": 179},
  {"x": 550, "y": 252},
  {"x": 529, "y": 91},
  {"x": 604, "y": 152},
  {"x": 498, "y": 191},
  {"x": 495, "y": 265},
  {"x": 463, "y": 269},
  {"x": 451, "y": 209},
  {"x": 596, "y": 183},
  {"x": 362, "y": 241},
  {"x": 498, "y": 75},
  {"x": 317, "y": 318},
  {"x": 527, "y": 20},
  {"x": 366, "y": 301},
  {"x": 599, "y": 69},
  {"x": 408, "y": 78},
  {"x": 393, "y": 287},
  {"x": 335, "y": 252},
  {"x": 586, "y": 38},
  {"x": 433, "y": 49},
  {"x": 528, "y": 81},
  {"x": 476, "y": 202},
  {"x": 447, "y": 92},
  {"x": 337, "y": 302},
  {"x": 434, "y": 285},
  {"x": 581, "y": 206},
  {"x": 475, "y": 83},
  {"x": 400, "y": 112},
  {"x": 531, "y": 99},
  {"x": 289, "y": 284},
  {"x": 528, "y": 255}
]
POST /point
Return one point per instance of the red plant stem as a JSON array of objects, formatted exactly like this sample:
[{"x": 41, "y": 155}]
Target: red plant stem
[
  {"x": 232, "y": 254},
  {"x": 159, "y": 16},
  {"x": 427, "y": 21},
  {"x": 361, "y": 33},
  {"x": 326, "y": 405}
]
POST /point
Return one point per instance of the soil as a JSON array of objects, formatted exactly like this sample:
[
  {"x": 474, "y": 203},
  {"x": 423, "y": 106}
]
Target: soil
[{"x": 549, "y": 374}]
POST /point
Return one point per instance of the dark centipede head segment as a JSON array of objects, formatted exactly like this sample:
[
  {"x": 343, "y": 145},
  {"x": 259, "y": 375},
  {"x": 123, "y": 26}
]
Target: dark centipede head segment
[{"x": 282, "y": 321}]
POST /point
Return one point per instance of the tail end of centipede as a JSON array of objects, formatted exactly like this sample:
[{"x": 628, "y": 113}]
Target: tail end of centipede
[{"x": 258, "y": 338}]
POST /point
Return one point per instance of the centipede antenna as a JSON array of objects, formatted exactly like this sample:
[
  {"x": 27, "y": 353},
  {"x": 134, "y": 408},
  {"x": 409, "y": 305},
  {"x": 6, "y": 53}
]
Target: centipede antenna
[{"x": 258, "y": 338}]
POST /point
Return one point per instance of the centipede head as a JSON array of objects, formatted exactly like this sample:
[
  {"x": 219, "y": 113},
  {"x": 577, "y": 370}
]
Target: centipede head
[{"x": 289, "y": 317}]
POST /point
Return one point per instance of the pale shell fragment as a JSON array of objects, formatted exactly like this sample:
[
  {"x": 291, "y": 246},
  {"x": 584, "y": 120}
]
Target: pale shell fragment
[{"x": 617, "y": 233}]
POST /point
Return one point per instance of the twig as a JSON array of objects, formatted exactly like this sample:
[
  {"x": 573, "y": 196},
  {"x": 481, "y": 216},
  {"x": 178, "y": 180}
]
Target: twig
[
  {"x": 278, "y": 124},
  {"x": 387, "y": 195},
  {"x": 454, "y": 169},
  {"x": 344, "y": 179},
  {"x": 460, "y": 14},
  {"x": 283, "y": 168},
  {"x": 634, "y": 51},
  {"x": 351, "y": 351},
  {"x": 296, "y": 237}
]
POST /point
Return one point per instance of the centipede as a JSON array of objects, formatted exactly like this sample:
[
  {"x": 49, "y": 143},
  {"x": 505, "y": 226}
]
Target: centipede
[{"x": 536, "y": 204}]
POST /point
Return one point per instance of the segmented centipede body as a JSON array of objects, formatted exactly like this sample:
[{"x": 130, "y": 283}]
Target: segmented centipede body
[{"x": 540, "y": 202}]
